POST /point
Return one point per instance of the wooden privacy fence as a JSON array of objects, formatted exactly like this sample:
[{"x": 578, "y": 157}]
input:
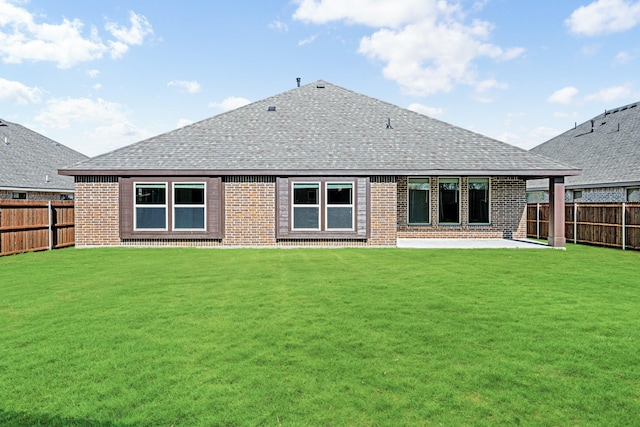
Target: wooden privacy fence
[
  {"x": 604, "y": 224},
  {"x": 27, "y": 226}
]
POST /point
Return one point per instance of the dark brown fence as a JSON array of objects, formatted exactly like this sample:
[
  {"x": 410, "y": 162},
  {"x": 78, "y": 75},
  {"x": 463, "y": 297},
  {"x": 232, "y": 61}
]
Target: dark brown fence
[
  {"x": 603, "y": 224},
  {"x": 27, "y": 226}
]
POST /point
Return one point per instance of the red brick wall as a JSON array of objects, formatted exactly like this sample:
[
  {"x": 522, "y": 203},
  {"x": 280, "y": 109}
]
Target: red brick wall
[
  {"x": 250, "y": 205},
  {"x": 97, "y": 213},
  {"x": 507, "y": 211},
  {"x": 250, "y": 212}
]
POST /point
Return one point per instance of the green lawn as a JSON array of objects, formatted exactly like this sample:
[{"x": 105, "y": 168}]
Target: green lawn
[{"x": 321, "y": 337}]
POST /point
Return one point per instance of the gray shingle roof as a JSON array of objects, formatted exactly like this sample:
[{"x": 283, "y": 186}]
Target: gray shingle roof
[
  {"x": 321, "y": 129},
  {"x": 606, "y": 148},
  {"x": 27, "y": 158}
]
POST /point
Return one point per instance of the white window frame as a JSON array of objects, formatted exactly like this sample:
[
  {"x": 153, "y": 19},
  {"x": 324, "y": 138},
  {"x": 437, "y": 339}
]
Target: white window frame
[
  {"x": 165, "y": 206},
  {"x": 174, "y": 205},
  {"x": 469, "y": 180},
  {"x": 446, "y": 178},
  {"x": 294, "y": 205},
  {"x": 327, "y": 205},
  {"x": 428, "y": 201}
]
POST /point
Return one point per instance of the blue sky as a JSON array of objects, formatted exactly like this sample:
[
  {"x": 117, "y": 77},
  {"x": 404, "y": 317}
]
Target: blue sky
[{"x": 97, "y": 75}]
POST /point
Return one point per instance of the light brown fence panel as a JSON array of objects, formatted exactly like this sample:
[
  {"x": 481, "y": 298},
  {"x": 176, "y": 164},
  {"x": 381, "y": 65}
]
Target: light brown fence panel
[
  {"x": 632, "y": 226},
  {"x": 27, "y": 226},
  {"x": 64, "y": 224},
  {"x": 569, "y": 222},
  {"x": 538, "y": 220},
  {"x": 599, "y": 224}
]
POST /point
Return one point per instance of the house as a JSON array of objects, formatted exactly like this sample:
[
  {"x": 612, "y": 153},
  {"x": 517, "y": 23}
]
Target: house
[
  {"x": 29, "y": 164},
  {"x": 607, "y": 149},
  {"x": 318, "y": 165}
]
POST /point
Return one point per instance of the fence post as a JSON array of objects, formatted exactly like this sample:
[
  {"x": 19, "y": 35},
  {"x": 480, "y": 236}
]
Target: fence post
[
  {"x": 538, "y": 221},
  {"x": 50, "y": 213},
  {"x": 624, "y": 226},
  {"x": 575, "y": 222}
]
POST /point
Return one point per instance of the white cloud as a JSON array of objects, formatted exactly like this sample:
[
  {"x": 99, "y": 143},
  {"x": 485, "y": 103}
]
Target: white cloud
[
  {"x": 66, "y": 44},
  {"x": 372, "y": 13},
  {"x": 603, "y": 17},
  {"x": 610, "y": 94},
  {"x": 278, "y": 25},
  {"x": 565, "y": 115},
  {"x": 408, "y": 39},
  {"x": 18, "y": 93},
  {"x": 308, "y": 40},
  {"x": 93, "y": 73},
  {"x": 61, "y": 113},
  {"x": 426, "y": 110},
  {"x": 563, "y": 96},
  {"x": 189, "y": 86},
  {"x": 132, "y": 36},
  {"x": 230, "y": 103},
  {"x": 623, "y": 58},
  {"x": 97, "y": 86},
  {"x": 98, "y": 125},
  {"x": 183, "y": 122}
]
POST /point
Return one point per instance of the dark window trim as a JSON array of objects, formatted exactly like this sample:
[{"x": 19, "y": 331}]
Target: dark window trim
[
  {"x": 284, "y": 213},
  {"x": 214, "y": 204}
]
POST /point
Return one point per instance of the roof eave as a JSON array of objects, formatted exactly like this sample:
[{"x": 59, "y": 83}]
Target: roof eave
[{"x": 529, "y": 173}]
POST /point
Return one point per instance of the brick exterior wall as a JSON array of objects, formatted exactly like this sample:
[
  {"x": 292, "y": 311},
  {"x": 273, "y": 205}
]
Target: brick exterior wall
[
  {"x": 250, "y": 215},
  {"x": 97, "y": 212},
  {"x": 250, "y": 212},
  {"x": 507, "y": 212},
  {"x": 383, "y": 218}
]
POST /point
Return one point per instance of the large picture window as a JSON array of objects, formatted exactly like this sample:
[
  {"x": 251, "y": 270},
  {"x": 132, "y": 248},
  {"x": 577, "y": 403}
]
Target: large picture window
[
  {"x": 479, "y": 201},
  {"x": 171, "y": 207},
  {"x": 419, "y": 204},
  {"x": 449, "y": 200},
  {"x": 322, "y": 208}
]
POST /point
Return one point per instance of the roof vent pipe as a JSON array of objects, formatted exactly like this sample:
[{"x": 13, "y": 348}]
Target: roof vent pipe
[
  {"x": 389, "y": 124},
  {"x": 591, "y": 125},
  {"x": 298, "y": 81}
]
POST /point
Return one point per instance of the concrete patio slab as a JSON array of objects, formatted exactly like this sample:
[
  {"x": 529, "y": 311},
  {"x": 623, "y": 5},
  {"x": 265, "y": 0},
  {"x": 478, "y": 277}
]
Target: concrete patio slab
[{"x": 470, "y": 244}]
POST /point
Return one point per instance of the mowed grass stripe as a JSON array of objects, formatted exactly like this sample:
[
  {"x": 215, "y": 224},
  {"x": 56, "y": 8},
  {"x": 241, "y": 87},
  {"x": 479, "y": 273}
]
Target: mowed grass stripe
[{"x": 124, "y": 337}]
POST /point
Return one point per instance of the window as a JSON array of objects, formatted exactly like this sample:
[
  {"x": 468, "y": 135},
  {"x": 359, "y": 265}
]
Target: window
[
  {"x": 150, "y": 206},
  {"x": 306, "y": 206},
  {"x": 478, "y": 201},
  {"x": 633, "y": 195},
  {"x": 171, "y": 207},
  {"x": 188, "y": 207},
  {"x": 339, "y": 206},
  {"x": 449, "y": 200},
  {"x": 577, "y": 194},
  {"x": 20, "y": 196},
  {"x": 337, "y": 202},
  {"x": 322, "y": 208},
  {"x": 419, "y": 206}
]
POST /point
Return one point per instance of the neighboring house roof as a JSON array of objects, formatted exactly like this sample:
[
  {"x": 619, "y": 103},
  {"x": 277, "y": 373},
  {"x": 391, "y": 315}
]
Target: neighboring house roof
[
  {"x": 27, "y": 159},
  {"x": 320, "y": 129},
  {"x": 606, "y": 148}
]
